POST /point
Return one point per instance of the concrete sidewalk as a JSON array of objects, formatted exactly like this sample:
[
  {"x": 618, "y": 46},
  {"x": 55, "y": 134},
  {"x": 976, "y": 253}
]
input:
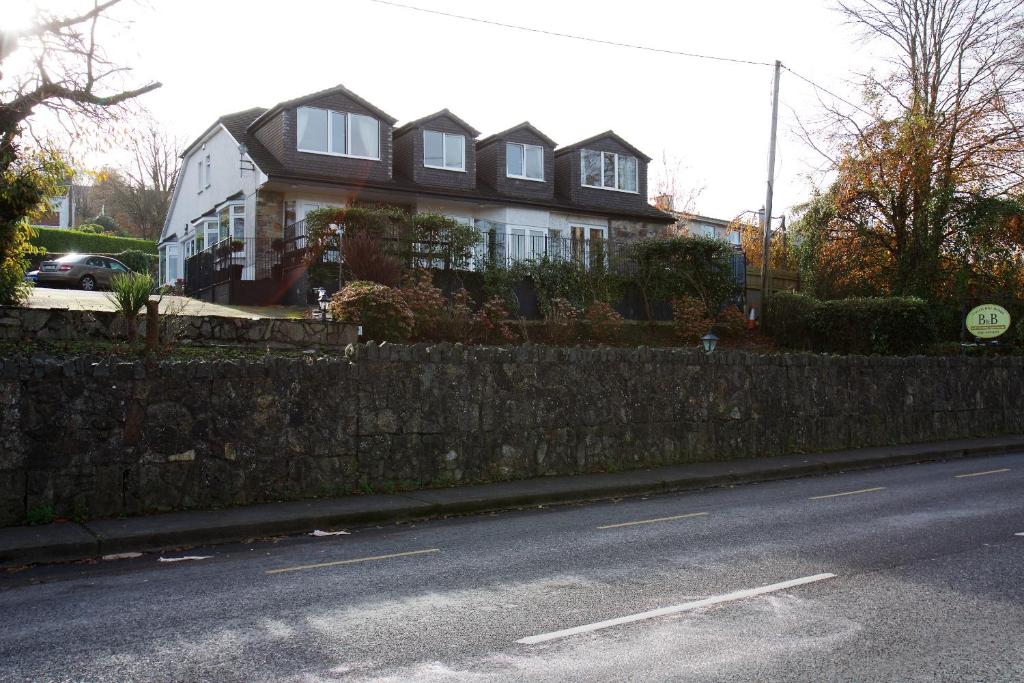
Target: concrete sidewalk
[{"x": 71, "y": 541}]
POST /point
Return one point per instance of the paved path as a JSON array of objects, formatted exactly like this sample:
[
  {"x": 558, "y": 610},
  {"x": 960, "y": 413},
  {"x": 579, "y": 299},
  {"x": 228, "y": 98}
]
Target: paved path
[
  {"x": 927, "y": 586},
  {"x": 74, "y": 299}
]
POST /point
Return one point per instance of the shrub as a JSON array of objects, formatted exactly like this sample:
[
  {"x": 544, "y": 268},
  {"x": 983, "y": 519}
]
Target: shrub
[
  {"x": 689, "y": 318},
  {"x": 605, "y": 323},
  {"x": 560, "y": 322},
  {"x": 63, "y": 241},
  {"x": 730, "y": 323},
  {"x": 491, "y": 322},
  {"x": 365, "y": 259},
  {"x": 381, "y": 310},
  {"x": 138, "y": 261},
  {"x": 129, "y": 293},
  {"x": 866, "y": 325},
  {"x": 91, "y": 228},
  {"x": 698, "y": 267},
  {"x": 426, "y": 302},
  {"x": 104, "y": 223},
  {"x": 790, "y": 319}
]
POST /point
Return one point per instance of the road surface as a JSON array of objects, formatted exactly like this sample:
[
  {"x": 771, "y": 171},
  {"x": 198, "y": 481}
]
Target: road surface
[{"x": 911, "y": 574}]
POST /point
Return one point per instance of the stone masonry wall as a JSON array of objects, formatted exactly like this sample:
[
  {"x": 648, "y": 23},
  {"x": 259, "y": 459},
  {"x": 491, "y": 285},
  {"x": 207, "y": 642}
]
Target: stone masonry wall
[
  {"x": 59, "y": 324},
  {"x": 100, "y": 438}
]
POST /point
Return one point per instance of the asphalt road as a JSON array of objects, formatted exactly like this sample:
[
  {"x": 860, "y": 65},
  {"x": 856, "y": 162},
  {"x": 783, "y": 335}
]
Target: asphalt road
[{"x": 927, "y": 585}]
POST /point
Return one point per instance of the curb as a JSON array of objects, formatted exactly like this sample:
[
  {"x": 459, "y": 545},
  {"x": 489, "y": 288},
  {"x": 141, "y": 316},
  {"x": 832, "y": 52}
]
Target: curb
[{"x": 71, "y": 541}]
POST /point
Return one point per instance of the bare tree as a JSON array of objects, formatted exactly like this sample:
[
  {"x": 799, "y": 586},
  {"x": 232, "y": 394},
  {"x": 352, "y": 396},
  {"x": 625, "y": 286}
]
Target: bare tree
[
  {"x": 671, "y": 188},
  {"x": 145, "y": 194},
  {"x": 939, "y": 135},
  {"x": 68, "y": 73}
]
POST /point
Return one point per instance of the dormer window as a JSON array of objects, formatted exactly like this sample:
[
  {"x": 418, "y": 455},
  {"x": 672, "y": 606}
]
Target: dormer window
[
  {"x": 609, "y": 171},
  {"x": 322, "y": 131},
  {"x": 444, "y": 150},
  {"x": 525, "y": 162}
]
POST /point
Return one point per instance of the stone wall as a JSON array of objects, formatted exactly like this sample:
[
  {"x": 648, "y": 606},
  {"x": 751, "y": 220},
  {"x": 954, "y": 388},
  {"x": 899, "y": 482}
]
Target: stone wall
[
  {"x": 59, "y": 324},
  {"x": 99, "y": 438}
]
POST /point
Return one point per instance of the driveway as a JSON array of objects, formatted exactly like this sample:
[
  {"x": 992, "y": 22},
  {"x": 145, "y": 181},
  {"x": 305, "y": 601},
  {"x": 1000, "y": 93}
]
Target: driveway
[{"x": 78, "y": 300}]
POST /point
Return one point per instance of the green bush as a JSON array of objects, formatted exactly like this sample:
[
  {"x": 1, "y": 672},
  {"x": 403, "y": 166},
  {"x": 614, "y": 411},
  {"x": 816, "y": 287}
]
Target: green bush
[
  {"x": 73, "y": 241},
  {"x": 895, "y": 325},
  {"x": 790, "y": 319},
  {"x": 699, "y": 267},
  {"x": 381, "y": 310},
  {"x": 138, "y": 261},
  {"x": 881, "y": 325}
]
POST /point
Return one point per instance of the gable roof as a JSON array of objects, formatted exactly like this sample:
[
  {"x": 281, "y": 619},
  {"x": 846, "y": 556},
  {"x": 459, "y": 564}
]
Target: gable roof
[
  {"x": 288, "y": 104},
  {"x": 525, "y": 125},
  {"x": 229, "y": 121},
  {"x": 430, "y": 117},
  {"x": 600, "y": 136}
]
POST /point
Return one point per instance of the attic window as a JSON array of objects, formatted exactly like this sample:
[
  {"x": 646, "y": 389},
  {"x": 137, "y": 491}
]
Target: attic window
[
  {"x": 609, "y": 171},
  {"x": 444, "y": 150},
  {"x": 322, "y": 131},
  {"x": 524, "y": 161}
]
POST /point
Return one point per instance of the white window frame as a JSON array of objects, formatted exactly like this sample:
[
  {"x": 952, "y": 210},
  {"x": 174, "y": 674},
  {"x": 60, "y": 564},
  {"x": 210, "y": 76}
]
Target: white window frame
[
  {"x": 444, "y": 151},
  {"x": 523, "y": 145},
  {"x": 207, "y": 186},
  {"x": 602, "y": 186},
  {"x": 199, "y": 178},
  {"x": 330, "y": 134}
]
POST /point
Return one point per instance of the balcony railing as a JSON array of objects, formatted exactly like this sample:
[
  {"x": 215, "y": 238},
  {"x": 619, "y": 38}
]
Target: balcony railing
[{"x": 233, "y": 259}]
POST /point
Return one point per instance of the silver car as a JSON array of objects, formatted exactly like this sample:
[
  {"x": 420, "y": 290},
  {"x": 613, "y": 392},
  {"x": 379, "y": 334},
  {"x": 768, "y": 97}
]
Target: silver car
[{"x": 84, "y": 271}]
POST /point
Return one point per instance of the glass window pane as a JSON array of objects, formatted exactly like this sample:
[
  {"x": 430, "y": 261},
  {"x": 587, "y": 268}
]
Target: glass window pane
[
  {"x": 365, "y": 137},
  {"x": 453, "y": 145},
  {"x": 609, "y": 169},
  {"x": 535, "y": 162},
  {"x": 513, "y": 159},
  {"x": 433, "y": 148},
  {"x": 627, "y": 173},
  {"x": 337, "y": 133},
  {"x": 591, "y": 168},
  {"x": 312, "y": 129},
  {"x": 239, "y": 228},
  {"x": 223, "y": 222}
]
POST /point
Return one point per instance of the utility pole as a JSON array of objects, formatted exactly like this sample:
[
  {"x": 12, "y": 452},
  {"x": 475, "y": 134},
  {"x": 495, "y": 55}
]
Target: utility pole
[{"x": 771, "y": 189}]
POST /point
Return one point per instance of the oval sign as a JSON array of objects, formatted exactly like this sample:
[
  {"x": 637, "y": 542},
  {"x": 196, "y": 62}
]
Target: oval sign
[{"x": 988, "y": 321}]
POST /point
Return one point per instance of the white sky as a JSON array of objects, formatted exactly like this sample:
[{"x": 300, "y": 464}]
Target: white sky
[{"x": 215, "y": 57}]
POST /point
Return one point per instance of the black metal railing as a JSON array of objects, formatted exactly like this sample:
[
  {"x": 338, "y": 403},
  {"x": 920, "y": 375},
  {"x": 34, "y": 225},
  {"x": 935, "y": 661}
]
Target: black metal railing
[{"x": 253, "y": 258}]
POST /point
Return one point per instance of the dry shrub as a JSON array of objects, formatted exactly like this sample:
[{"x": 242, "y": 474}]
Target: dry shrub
[
  {"x": 367, "y": 261},
  {"x": 731, "y": 323},
  {"x": 438, "y": 319},
  {"x": 381, "y": 310},
  {"x": 605, "y": 322},
  {"x": 561, "y": 322},
  {"x": 688, "y": 318},
  {"x": 491, "y": 323}
]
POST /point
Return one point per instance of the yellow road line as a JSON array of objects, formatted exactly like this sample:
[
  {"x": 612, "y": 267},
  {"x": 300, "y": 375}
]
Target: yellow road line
[
  {"x": 357, "y": 560},
  {"x": 847, "y": 493},
  {"x": 979, "y": 474},
  {"x": 652, "y": 521}
]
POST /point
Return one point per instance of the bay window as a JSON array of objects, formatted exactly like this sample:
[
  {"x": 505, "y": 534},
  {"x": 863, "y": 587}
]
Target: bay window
[
  {"x": 323, "y": 131},
  {"x": 524, "y": 161},
  {"x": 444, "y": 150},
  {"x": 609, "y": 171}
]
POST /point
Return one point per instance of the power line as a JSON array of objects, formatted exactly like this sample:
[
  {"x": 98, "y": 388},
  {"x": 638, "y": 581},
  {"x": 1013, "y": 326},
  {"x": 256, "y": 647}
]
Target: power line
[
  {"x": 826, "y": 91},
  {"x": 573, "y": 36}
]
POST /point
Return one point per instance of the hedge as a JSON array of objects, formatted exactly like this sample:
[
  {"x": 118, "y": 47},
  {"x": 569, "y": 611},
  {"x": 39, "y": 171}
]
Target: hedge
[
  {"x": 73, "y": 241},
  {"x": 865, "y": 325}
]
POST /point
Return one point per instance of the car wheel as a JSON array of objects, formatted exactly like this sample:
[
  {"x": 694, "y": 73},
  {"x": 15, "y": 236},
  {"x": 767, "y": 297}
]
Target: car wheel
[{"x": 88, "y": 283}]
